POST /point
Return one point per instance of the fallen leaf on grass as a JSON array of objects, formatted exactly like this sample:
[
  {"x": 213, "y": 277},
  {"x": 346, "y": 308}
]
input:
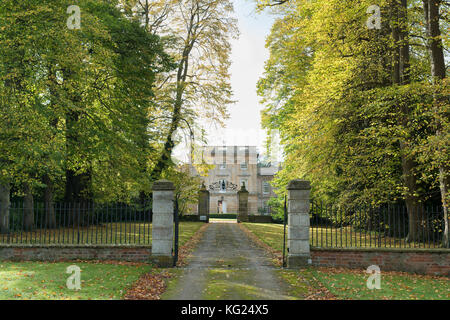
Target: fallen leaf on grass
[
  {"x": 148, "y": 287},
  {"x": 151, "y": 286}
]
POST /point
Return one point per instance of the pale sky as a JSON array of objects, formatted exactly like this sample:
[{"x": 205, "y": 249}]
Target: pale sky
[{"x": 248, "y": 57}]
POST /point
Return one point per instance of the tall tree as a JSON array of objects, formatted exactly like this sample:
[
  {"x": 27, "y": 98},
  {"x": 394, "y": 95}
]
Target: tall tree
[
  {"x": 352, "y": 103},
  {"x": 400, "y": 36},
  {"x": 199, "y": 32},
  {"x": 75, "y": 103},
  {"x": 438, "y": 73}
]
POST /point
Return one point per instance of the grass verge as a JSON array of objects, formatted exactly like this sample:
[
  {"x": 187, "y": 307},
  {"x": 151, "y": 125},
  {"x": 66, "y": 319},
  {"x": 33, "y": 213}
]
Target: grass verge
[
  {"x": 47, "y": 281},
  {"x": 348, "y": 284},
  {"x": 103, "y": 280},
  {"x": 339, "y": 283},
  {"x": 272, "y": 235}
]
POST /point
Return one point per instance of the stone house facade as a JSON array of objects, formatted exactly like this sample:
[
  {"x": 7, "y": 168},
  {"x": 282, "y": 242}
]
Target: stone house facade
[{"x": 233, "y": 167}]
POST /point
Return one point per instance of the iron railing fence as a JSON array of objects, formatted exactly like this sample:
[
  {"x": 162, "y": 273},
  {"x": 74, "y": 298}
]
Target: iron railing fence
[
  {"x": 387, "y": 226},
  {"x": 76, "y": 223}
]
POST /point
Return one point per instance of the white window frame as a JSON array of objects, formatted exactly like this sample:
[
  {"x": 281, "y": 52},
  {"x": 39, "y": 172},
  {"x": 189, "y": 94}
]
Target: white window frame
[
  {"x": 245, "y": 167},
  {"x": 222, "y": 166},
  {"x": 264, "y": 186}
]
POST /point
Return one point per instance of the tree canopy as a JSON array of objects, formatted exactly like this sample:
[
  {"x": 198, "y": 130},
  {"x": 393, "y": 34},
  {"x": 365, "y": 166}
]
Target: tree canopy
[
  {"x": 362, "y": 112},
  {"x": 76, "y": 103}
]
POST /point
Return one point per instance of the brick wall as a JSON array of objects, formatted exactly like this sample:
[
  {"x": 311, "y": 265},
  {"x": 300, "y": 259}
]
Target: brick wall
[
  {"x": 74, "y": 252},
  {"x": 423, "y": 261}
]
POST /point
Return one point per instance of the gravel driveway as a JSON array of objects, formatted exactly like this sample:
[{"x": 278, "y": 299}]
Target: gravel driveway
[{"x": 227, "y": 265}]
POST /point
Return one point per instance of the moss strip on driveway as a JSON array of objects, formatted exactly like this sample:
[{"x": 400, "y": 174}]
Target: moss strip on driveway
[{"x": 228, "y": 265}]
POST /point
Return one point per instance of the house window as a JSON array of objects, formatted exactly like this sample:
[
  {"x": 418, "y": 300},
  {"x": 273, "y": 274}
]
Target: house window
[
  {"x": 223, "y": 166},
  {"x": 266, "y": 187},
  {"x": 243, "y": 181},
  {"x": 244, "y": 165}
]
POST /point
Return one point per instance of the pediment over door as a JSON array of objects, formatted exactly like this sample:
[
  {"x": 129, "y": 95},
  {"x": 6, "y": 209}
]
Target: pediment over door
[{"x": 223, "y": 185}]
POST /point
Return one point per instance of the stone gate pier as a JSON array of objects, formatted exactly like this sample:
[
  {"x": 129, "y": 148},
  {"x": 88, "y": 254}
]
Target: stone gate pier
[
  {"x": 298, "y": 223},
  {"x": 162, "y": 229},
  {"x": 243, "y": 204},
  {"x": 203, "y": 204}
]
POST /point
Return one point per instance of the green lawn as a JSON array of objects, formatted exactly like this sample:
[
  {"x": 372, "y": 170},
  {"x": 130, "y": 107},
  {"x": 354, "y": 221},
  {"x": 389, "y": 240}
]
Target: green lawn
[
  {"x": 188, "y": 229},
  {"x": 217, "y": 220},
  {"x": 272, "y": 235},
  {"x": 110, "y": 233},
  {"x": 47, "y": 281},
  {"x": 351, "y": 284}
]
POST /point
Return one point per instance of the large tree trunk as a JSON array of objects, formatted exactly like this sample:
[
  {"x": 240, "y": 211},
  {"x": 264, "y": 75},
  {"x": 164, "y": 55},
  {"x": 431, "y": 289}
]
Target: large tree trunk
[
  {"x": 78, "y": 185},
  {"x": 444, "y": 183},
  {"x": 5, "y": 190},
  {"x": 77, "y": 196},
  {"x": 144, "y": 156},
  {"x": 404, "y": 43},
  {"x": 416, "y": 214},
  {"x": 396, "y": 76},
  {"x": 50, "y": 216},
  {"x": 164, "y": 159},
  {"x": 28, "y": 208},
  {"x": 193, "y": 30},
  {"x": 431, "y": 12},
  {"x": 401, "y": 64}
]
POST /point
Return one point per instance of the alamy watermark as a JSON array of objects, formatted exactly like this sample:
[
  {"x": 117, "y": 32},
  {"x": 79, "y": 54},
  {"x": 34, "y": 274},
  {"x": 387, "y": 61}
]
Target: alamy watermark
[
  {"x": 374, "y": 280},
  {"x": 74, "y": 21},
  {"x": 374, "y": 21},
  {"x": 74, "y": 281}
]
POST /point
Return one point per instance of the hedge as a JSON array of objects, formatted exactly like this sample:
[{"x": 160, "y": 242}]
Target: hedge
[{"x": 223, "y": 216}]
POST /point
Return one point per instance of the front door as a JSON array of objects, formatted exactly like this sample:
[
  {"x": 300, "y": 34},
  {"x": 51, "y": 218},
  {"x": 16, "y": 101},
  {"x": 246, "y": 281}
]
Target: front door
[
  {"x": 221, "y": 206},
  {"x": 224, "y": 207}
]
